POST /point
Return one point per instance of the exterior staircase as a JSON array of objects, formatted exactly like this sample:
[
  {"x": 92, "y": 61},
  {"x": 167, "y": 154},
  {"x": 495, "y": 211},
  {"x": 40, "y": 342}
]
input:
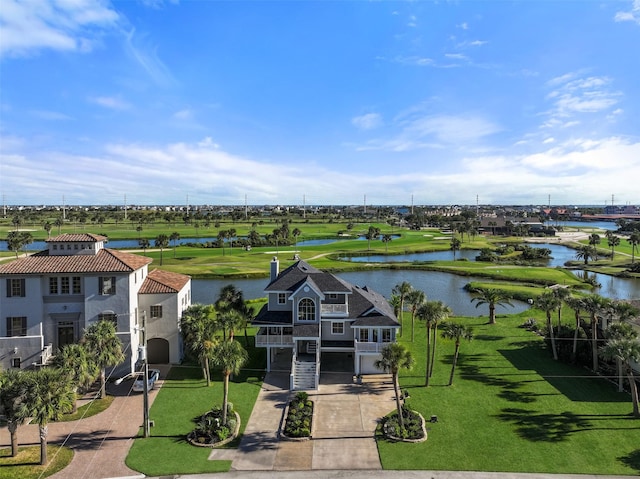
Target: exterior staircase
[{"x": 304, "y": 375}]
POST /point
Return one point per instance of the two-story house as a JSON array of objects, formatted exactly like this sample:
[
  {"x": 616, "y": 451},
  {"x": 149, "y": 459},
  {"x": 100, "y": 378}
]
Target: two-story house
[
  {"x": 48, "y": 299},
  {"x": 310, "y": 312}
]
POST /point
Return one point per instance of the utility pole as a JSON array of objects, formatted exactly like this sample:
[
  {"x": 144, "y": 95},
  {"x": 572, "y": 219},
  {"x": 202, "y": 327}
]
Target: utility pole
[{"x": 145, "y": 378}]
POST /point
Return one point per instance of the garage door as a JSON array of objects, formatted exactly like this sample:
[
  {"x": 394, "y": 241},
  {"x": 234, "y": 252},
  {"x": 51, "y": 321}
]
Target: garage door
[{"x": 366, "y": 365}]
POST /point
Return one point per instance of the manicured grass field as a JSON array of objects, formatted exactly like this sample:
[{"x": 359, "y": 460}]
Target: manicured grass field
[
  {"x": 183, "y": 397},
  {"x": 90, "y": 409},
  {"x": 26, "y": 465},
  {"x": 512, "y": 408}
]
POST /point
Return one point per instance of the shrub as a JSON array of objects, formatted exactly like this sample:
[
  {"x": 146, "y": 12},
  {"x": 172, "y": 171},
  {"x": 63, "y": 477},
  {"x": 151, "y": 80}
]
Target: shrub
[{"x": 299, "y": 417}]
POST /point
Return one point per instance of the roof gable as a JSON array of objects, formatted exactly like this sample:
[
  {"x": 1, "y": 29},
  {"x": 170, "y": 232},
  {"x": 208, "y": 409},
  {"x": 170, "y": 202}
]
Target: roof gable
[{"x": 162, "y": 282}]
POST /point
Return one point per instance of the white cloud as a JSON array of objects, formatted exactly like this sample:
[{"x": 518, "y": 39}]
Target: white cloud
[
  {"x": 113, "y": 103},
  {"x": 456, "y": 56},
  {"x": 368, "y": 121},
  {"x": 146, "y": 55},
  {"x": 463, "y": 25},
  {"x": 69, "y": 25},
  {"x": 183, "y": 115},
  {"x": 632, "y": 15},
  {"x": 50, "y": 115}
]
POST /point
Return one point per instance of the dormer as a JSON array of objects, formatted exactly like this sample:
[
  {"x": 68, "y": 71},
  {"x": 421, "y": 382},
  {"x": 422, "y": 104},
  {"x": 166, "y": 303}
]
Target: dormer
[{"x": 75, "y": 244}]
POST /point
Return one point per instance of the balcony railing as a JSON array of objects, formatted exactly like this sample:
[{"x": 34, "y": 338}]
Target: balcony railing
[
  {"x": 328, "y": 309},
  {"x": 274, "y": 340},
  {"x": 364, "y": 347},
  {"x": 47, "y": 353}
]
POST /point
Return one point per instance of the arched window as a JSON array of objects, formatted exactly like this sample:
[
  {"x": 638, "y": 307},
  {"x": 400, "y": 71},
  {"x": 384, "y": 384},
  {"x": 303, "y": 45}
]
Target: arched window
[{"x": 306, "y": 310}]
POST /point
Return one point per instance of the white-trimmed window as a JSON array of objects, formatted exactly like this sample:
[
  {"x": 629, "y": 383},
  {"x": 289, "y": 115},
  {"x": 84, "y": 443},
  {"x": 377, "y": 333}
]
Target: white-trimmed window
[
  {"x": 306, "y": 310},
  {"x": 15, "y": 288},
  {"x": 156, "y": 311},
  {"x": 333, "y": 295},
  {"x": 386, "y": 335},
  {"x": 76, "y": 284},
  {"x": 64, "y": 285},
  {"x": 282, "y": 298},
  {"x": 107, "y": 285},
  {"x": 363, "y": 335},
  {"x": 53, "y": 285},
  {"x": 337, "y": 328},
  {"x": 16, "y": 326}
]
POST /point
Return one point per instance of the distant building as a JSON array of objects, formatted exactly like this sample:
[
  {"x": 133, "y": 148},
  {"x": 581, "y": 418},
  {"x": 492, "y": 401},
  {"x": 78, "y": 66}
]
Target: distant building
[{"x": 48, "y": 299}]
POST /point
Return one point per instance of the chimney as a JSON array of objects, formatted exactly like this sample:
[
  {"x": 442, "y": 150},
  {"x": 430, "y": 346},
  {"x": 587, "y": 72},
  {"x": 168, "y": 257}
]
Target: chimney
[{"x": 275, "y": 268}]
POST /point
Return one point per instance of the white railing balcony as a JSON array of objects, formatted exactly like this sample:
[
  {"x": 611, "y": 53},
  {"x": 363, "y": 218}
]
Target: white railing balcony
[
  {"x": 263, "y": 340},
  {"x": 331, "y": 309},
  {"x": 364, "y": 347}
]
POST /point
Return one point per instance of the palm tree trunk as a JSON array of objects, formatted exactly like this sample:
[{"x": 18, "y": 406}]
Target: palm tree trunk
[
  {"x": 205, "y": 370},
  {"x": 13, "y": 430},
  {"x": 574, "y": 351},
  {"x": 413, "y": 324},
  {"x": 634, "y": 391},
  {"x": 43, "y": 444},
  {"x": 552, "y": 336},
  {"x": 103, "y": 384},
  {"x": 492, "y": 313},
  {"x": 433, "y": 350},
  {"x": 426, "y": 379},
  {"x": 594, "y": 343},
  {"x": 396, "y": 390},
  {"x": 620, "y": 375},
  {"x": 455, "y": 361},
  {"x": 225, "y": 398}
]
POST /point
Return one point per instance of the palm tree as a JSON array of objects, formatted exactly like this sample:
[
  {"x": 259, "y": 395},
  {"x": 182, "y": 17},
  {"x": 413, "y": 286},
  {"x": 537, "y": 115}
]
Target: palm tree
[
  {"x": 577, "y": 305},
  {"x": 161, "y": 241},
  {"x": 296, "y": 232},
  {"x": 563, "y": 294},
  {"x": 595, "y": 305},
  {"x": 612, "y": 242},
  {"x": 13, "y": 403},
  {"x": 372, "y": 233},
  {"x": 232, "y": 235},
  {"x": 393, "y": 358},
  {"x": 594, "y": 241},
  {"x": 621, "y": 330},
  {"x": 625, "y": 350},
  {"x": 74, "y": 360},
  {"x": 198, "y": 333},
  {"x": 49, "y": 395},
  {"x": 549, "y": 302},
  {"x": 144, "y": 244},
  {"x": 415, "y": 298},
  {"x": 230, "y": 356},
  {"x": 455, "y": 246},
  {"x": 58, "y": 224},
  {"x": 634, "y": 241},
  {"x": 47, "y": 227},
  {"x": 386, "y": 238},
  {"x": 585, "y": 253},
  {"x": 104, "y": 347},
  {"x": 174, "y": 237},
  {"x": 229, "y": 308},
  {"x": 493, "y": 297},
  {"x": 457, "y": 332},
  {"x": 395, "y": 304},
  {"x": 402, "y": 290},
  {"x": 432, "y": 312}
]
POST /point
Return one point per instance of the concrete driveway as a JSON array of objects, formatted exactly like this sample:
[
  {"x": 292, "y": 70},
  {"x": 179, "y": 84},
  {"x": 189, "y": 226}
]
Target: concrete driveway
[
  {"x": 101, "y": 442},
  {"x": 345, "y": 419}
]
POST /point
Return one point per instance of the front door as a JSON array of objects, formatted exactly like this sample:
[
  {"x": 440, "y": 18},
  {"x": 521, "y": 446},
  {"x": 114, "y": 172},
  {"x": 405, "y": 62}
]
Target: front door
[{"x": 66, "y": 333}]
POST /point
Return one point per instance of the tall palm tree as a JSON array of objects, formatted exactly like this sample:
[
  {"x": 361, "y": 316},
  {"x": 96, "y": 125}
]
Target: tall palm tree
[
  {"x": 198, "y": 333},
  {"x": 612, "y": 242},
  {"x": 625, "y": 350},
  {"x": 174, "y": 237},
  {"x": 563, "y": 294},
  {"x": 577, "y": 305},
  {"x": 58, "y": 224},
  {"x": 549, "y": 302},
  {"x": 47, "y": 227},
  {"x": 230, "y": 356},
  {"x": 229, "y": 308},
  {"x": 144, "y": 244},
  {"x": 595, "y": 305},
  {"x": 431, "y": 312},
  {"x": 585, "y": 253},
  {"x": 296, "y": 232},
  {"x": 49, "y": 395},
  {"x": 386, "y": 238},
  {"x": 594, "y": 241},
  {"x": 104, "y": 347},
  {"x": 402, "y": 290},
  {"x": 457, "y": 332},
  {"x": 415, "y": 298},
  {"x": 634, "y": 241},
  {"x": 13, "y": 403},
  {"x": 492, "y": 297},
  {"x": 74, "y": 360},
  {"x": 621, "y": 330},
  {"x": 393, "y": 358},
  {"x": 161, "y": 241},
  {"x": 455, "y": 246},
  {"x": 395, "y": 304}
]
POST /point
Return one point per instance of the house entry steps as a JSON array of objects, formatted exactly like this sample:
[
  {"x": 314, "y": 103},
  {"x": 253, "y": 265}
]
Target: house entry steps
[{"x": 304, "y": 375}]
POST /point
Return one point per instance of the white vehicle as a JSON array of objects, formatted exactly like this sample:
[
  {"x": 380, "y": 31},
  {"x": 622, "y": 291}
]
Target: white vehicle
[{"x": 138, "y": 384}]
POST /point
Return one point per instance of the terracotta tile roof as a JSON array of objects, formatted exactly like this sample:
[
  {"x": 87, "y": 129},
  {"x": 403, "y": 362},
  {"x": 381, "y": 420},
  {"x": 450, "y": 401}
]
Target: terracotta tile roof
[
  {"x": 105, "y": 261},
  {"x": 159, "y": 281},
  {"x": 76, "y": 238}
]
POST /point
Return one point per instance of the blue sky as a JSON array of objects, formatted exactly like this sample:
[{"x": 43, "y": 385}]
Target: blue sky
[{"x": 326, "y": 102}]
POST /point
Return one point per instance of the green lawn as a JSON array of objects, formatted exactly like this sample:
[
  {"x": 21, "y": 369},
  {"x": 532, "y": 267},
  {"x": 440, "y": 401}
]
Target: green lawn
[
  {"x": 512, "y": 408},
  {"x": 183, "y": 397},
  {"x": 26, "y": 465}
]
